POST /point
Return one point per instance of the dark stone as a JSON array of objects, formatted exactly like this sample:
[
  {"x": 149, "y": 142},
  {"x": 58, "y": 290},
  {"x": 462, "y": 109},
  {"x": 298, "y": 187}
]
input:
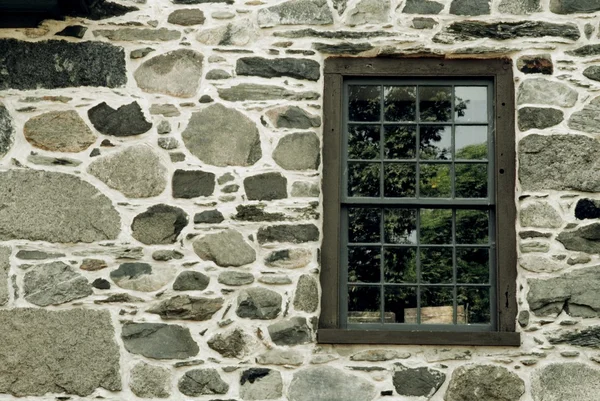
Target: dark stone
[
  {"x": 574, "y": 6},
  {"x": 208, "y": 217},
  {"x": 588, "y": 337},
  {"x": 130, "y": 271},
  {"x": 101, "y": 284},
  {"x": 95, "y": 152},
  {"x": 186, "y": 17},
  {"x": 102, "y": 10},
  {"x": 33, "y": 65},
  {"x": 75, "y": 31},
  {"x": 584, "y": 239},
  {"x": 253, "y": 374},
  {"x": 160, "y": 224},
  {"x": 310, "y": 32},
  {"x": 159, "y": 340},
  {"x": 592, "y": 72},
  {"x": 267, "y": 186},
  {"x": 533, "y": 234},
  {"x": 342, "y": 48},
  {"x": 537, "y": 64},
  {"x": 201, "y": 1},
  {"x": 127, "y": 120},
  {"x": 424, "y": 23},
  {"x": 282, "y": 67},
  {"x": 297, "y": 233},
  {"x": 469, "y": 30},
  {"x": 256, "y": 213},
  {"x": 583, "y": 51},
  {"x": 417, "y": 382},
  {"x": 189, "y": 184},
  {"x": 38, "y": 255},
  {"x": 166, "y": 255},
  {"x": 587, "y": 209},
  {"x": 184, "y": 307},
  {"x": 422, "y": 7},
  {"x": 205, "y": 99},
  {"x": 523, "y": 318},
  {"x": 340, "y": 5},
  {"x": 539, "y": 118},
  {"x": 191, "y": 281},
  {"x": 293, "y": 331},
  {"x": 470, "y": 7},
  {"x": 231, "y": 345}
]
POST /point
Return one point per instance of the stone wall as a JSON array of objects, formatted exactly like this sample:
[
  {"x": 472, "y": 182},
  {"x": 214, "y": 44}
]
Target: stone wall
[{"x": 160, "y": 211}]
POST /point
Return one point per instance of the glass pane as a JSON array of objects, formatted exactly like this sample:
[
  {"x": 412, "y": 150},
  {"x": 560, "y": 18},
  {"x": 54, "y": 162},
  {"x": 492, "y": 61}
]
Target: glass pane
[
  {"x": 470, "y": 104},
  {"x": 472, "y": 226},
  {"x": 400, "y": 226},
  {"x": 363, "y": 142},
  {"x": 399, "y": 180},
  {"x": 437, "y": 306},
  {"x": 400, "y": 103},
  {"x": 436, "y": 265},
  {"x": 400, "y": 142},
  {"x": 436, "y": 142},
  {"x": 435, "y": 181},
  {"x": 472, "y": 265},
  {"x": 364, "y": 304},
  {"x": 471, "y": 180},
  {"x": 400, "y": 305},
  {"x": 436, "y": 226},
  {"x": 435, "y": 103},
  {"x": 400, "y": 265},
  {"x": 363, "y": 179},
  {"x": 475, "y": 302},
  {"x": 364, "y": 225},
  {"x": 471, "y": 142},
  {"x": 364, "y": 264},
  {"x": 364, "y": 102}
]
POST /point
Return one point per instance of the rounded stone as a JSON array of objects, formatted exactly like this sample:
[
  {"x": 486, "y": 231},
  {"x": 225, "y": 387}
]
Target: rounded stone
[
  {"x": 227, "y": 248},
  {"x": 289, "y": 258},
  {"x": 292, "y": 117},
  {"x": 540, "y": 215},
  {"x": 566, "y": 382},
  {"x": 148, "y": 381},
  {"x": 186, "y": 17},
  {"x": 59, "y": 131},
  {"x": 261, "y": 384},
  {"x": 292, "y": 331},
  {"x": 234, "y": 278},
  {"x": 325, "y": 383},
  {"x": 299, "y": 151},
  {"x": 202, "y": 382},
  {"x": 545, "y": 91},
  {"x": 539, "y": 118},
  {"x": 306, "y": 298},
  {"x": 160, "y": 224},
  {"x": 191, "y": 281},
  {"x": 484, "y": 382}
]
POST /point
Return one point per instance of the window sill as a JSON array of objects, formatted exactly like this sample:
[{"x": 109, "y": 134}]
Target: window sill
[{"x": 338, "y": 336}]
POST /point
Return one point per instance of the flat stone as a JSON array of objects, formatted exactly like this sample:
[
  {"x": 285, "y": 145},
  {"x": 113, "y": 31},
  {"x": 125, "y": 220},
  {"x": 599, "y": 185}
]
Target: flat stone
[
  {"x": 422, "y": 7},
  {"x": 33, "y": 65},
  {"x": 127, "y": 120},
  {"x": 176, "y": 73},
  {"x": 292, "y": 117},
  {"x": 571, "y": 381},
  {"x": 201, "y": 1},
  {"x": 6, "y": 131},
  {"x": 378, "y": 355},
  {"x": 325, "y": 383},
  {"x": 275, "y": 279},
  {"x": 289, "y": 258},
  {"x": 540, "y": 215},
  {"x": 539, "y": 118},
  {"x": 579, "y": 259},
  {"x": 246, "y": 91},
  {"x": 198, "y": 382},
  {"x": 59, "y": 131},
  {"x": 296, "y": 12},
  {"x": 298, "y": 151},
  {"x": 258, "y": 303},
  {"x": 519, "y": 7},
  {"x": 142, "y": 276},
  {"x": 190, "y": 184},
  {"x": 306, "y": 297},
  {"x": 369, "y": 12},
  {"x": 160, "y": 224},
  {"x": 158, "y": 340},
  {"x": 588, "y": 337},
  {"x": 539, "y": 264},
  {"x": 342, "y": 48},
  {"x": 261, "y": 384},
  {"x": 236, "y": 33},
  {"x": 54, "y": 207},
  {"x": 560, "y": 162},
  {"x": 417, "y": 382},
  {"x": 292, "y": 331},
  {"x": 138, "y": 34},
  {"x": 208, "y": 217},
  {"x": 536, "y": 64},
  {"x": 73, "y": 31},
  {"x": 332, "y": 34},
  {"x": 222, "y": 136},
  {"x": 52, "y": 161},
  {"x": 57, "y": 352},
  {"x": 226, "y": 248},
  {"x": 136, "y": 171},
  {"x": 149, "y": 381},
  {"x": 191, "y": 281},
  {"x": 281, "y": 67},
  {"x": 234, "y": 278},
  {"x": 184, "y": 307},
  {"x": 186, "y": 17},
  {"x": 37, "y": 255},
  {"x": 534, "y": 246},
  {"x": 470, "y": 7},
  {"x": 545, "y": 91},
  {"x": 296, "y": 234},
  {"x": 584, "y": 51},
  {"x": 54, "y": 284},
  {"x": 584, "y": 239},
  {"x": 4, "y": 268},
  {"x": 587, "y": 119},
  {"x": 470, "y": 30},
  {"x": 484, "y": 382},
  {"x": 218, "y": 74},
  {"x": 574, "y": 6},
  {"x": 165, "y": 109},
  {"x": 276, "y": 356},
  {"x": 586, "y": 209},
  {"x": 424, "y": 23},
  {"x": 232, "y": 344},
  {"x": 267, "y": 186}
]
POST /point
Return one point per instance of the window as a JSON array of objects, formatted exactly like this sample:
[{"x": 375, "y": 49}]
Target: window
[{"x": 419, "y": 215}]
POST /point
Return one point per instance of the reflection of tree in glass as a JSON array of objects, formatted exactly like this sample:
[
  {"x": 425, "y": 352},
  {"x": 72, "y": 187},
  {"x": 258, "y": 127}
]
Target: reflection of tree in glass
[
  {"x": 477, "y": 304},
  {"x": 472, "y": 265},
  {"x": 364, "y": 103},
  {"x": 400, "y": 103},
  {"x": 363, "y": 179},
  {"x": 363, "y": 142},
  {"x": 400, "y": 180}
]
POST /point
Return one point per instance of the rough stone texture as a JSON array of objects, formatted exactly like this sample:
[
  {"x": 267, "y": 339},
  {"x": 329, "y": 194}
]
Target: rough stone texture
[
  {"x": 295, "y": 234},
  {"x": 54, "y": 207},
  {"x": 127, "y": 120},
  {"x": 292, "y": 331},
  {"x": 587, "y": 209},
  {"x": 369, "y": 12},
  {"x": 176, "y": 73},
  {"x": 217, "y": 74},
  {"x": 53, "y": 284},
  {"x": 222, "y": 136},
  {"x": 422, "y": 7},
  {"x": 60, "y": 64},
  {"x": 276, "y": 356},
  {"x": 7, "y": 131},
  {"x": 142, "y": 276},
  {"x": 160, "y": 224},
  {"x": 267, "y": 186},
  {"x": 201, "y": 382},
  {"x": 470, "y": 7},
  {"x": 190, "y": 184},
  {"x": 378, "y": 355},
  {"x": 560, "y": 162},
  {"x": 59, "y": 131},
  {"x": 191, "y": 281},
  {"x": 227, "y": 248},
  {"x": 248, "y": 91},
  {"x": 584, "y": 51},
  {"x": 37, "y": 255},
  {"x": 184, "y": 307},
  {"x": 305, "y": 189},
  {"x": 325, "y": 383},
  {"x": 584, "y": 239},
  {"x": 236, "y": 33},
  {"x": 235, "y": 279},
  {"x": 587, "y": 119},
  {"x": 565, "y": 382},
  {"x": 544, "y": 91},
  {"x": 539, "y": 264},
  {"x": 536, "y": 64},
  {"x": 230, "y": 345},
  {"x": 298, "y": 151},
  {"x": 344, "y": 48},
  {"x": 136, "y": 171},
  {"x": 574, "y": 6},
  {"x": 417, "y": 382},
  {"x": 469, "y": 30},
  {"x": 292, "y": 117},
  {"x": 540, "y": 215},
  {"x": 138, "y": 34},
  {"x": 588, "y": 337},
  {"x": 296, "y": 12},
  {"x": 148, "y": 381},
  {"x": 539, "y": 118},
  {"x": 258, "y": 303},
  {"x": 306, "y": 298},
  {"x": 519, "y": 7},
  {"x": 574, "y": 292},
  {"x": 280, "y": 67},
  {"x": 186, "y": 17},
  {"x": 592, "y": 72},
  {"x": 4, "y": 268},
  {"x": 289, "y": 258},
  {"x": 484, "y": 382},
  {"x": 57, "y": 352},
  {"x": 158, "y": 340},
  {"x": 208, "y": 217},
  {"x": 261, "y": 384}
]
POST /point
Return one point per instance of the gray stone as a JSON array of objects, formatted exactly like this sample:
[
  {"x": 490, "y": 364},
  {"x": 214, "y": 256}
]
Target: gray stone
[
  {"x": 369, "y": 12},
  {"x": 536, "y": 64},
  {"x": 168, "y": 143},
  {"x": 59, "y": 131},
  {"x": 287, "y": 357},
  {"x": 6, "y": 131},
  {"x": 332, "y": 34},
  {"x": 148, "y": 381},
  {"x": 136, "y": 171},
  {"x": 71, "y": 351},
  {"x": 261, "y": 384},
  {"x": 379, "y": 355},
  {"x": 226, "y": 248},
  {"x": 186, "y": 17},
  {"x": 38, "y": 255},
  {"x": 560, "y": 162},
  {"x": 217, "y": 74},
  {"x": 258, "y": 303},
  {"x": 592, "y": 72},
  {"x": 267, "y": 186},
  {"x": 417, "y": 382},
  {"x": 191, "y": 281},
  {"x": 306, "y": 298},
  {"x": 281, "y": 67},
  {"x": 52, "y": 161},
  {"x": 190, "y": 184},
  {"x": 292, "y": 117},
  {"x": 484, "y": 382},
  {"x": 579, "y": 259},
  {"x": 296, "y": 12},
  {"x": 138, "y": 34},
  {"x": 574, "y": 6},
  {"x": 545, "y": 91},
  {"x": 237, "y": 33},
  {"x": 201, "y": 382},
  {"x": 201, "y": 1},
  {"x": 469, "y": 30},
  {"x": 296, "y": 234},
  {"x": 142, "y": 276},
  {"x": 60, "y": 64},
  {"x": 470, "y": 7},
  {"x": 158, "y": 340},
  {"x": 540, "y": 215},
  {"x": 289, "y": 258},
  {"x": 246, "y": 91},
  {"x": 422, "y": 7},
  {"x": 4, "y": 268},
  {"x": 230, "y": 345},
  {"x": 587, "y": 119},
  {"x": 208, "y": 217},
  {"x": 340, "y": 5},
  {"x": 424, "y": 23},
  {"x": 565, "y": 382},
  {"x": 298, "y": 151},
  {"x": 160, "y": 224},
  {"x": 304, "y": 189},
  {"x": 54, "y": 284},
  {"x": 523, "y": 318},
  {"x": 584, "y": 239},
  {"x": 140, "y": 53},
  {"x": 164, "y": 127},
  {"x": 234, "y": 278},
  {"x": 184, "y": 307},
  {"x": 584, "y": 51},
  {"x": 539, "y": 264},
  {"x": 539, "y": 118},
  {"x": 292, "y": 331},
  {"x": 588, "y": 337},
  {"x": 534, "y": 246},
  {"x": 342, "y": 48},
  {"x": 127, "y": 120},
  {"x": 176, "y": 73},
  {"x": 519, "y": 7},
  {"x": 222, "y": 136},
  {"x": 275, "y": 279},
  {"x": 325, "y": 383},
  {"x": 165, "y": 109}
]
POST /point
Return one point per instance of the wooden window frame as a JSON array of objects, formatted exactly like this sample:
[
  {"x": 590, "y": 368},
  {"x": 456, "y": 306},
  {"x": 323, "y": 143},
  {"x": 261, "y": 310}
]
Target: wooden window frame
[{"x": 501, "y": 71}]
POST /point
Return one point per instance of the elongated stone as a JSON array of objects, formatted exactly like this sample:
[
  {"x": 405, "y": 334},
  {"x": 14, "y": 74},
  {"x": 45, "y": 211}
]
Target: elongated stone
[
  {"x": 280, "y": 67},
  {"x": 7, "y": 130},
  {"x": 296, "y": 12},
  {"x": 469, "y": 30},
  {"x": 246, "y": 91},
  {"x": 325, "y": 383},
  {"x": 4, "y": 267},
  {"x": 185, "y": 307}
]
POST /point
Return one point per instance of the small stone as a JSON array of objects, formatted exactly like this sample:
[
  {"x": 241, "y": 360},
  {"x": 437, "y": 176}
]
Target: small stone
[
  {"x": 587, "y": 209},
  {"x": 208, "y": 217},
  {"x": 584, "y": 239},
  {"x": 140, "y": 53},
  {"x": 127, "y": 120},
  {"x": 95, "y": 152},
  {"x": 280, "y": 357},
  {"x": 201, "y": 382},
  {"x": 137, "y": 34},
  {"x": 539, "y": 264},
  {"x": 191, "y": 281},
  {"x": 141, "y": 276},
  {"x": 281, "y": 67},
  {"x": 349, "y": 48},
  {"x": 258, "y": 303},
  {"x": 261, "y": 384},
  {"x": 54, "y": 284},
  {"x": 470, "y": 7},
  {"x": 256, "y": 213},
  {"x": 484, "y": 382},
  {"x": 190, "y": 184},
  {"x": 298, "y": 151},
  {"x": 237, "y": 33},
  {"x": 303, "y": 189},
  {"x": 222, "y": 15},
  {"x": 248, "y": 91},
  {"x": 273, "y": 279},
  {"x": 544, "y": 91},
  {"x": 186, "y": 17},
  {"x": 160, "y": 224},
  {"x": 588, "y": 29},
  {"x": 325, "y": 383},
  {"x": 422, "y": 7},
  {"x": 158, "y": 340},
  {"x": 101, "y": 284},
  {"x": 166, "y": 110},
  {"x": 205, "y": 99},
  {"x": 177, "y": 157},
  {"x": 569, "y": 381},
  {"x": 569, "y": 354},
  {"x": 417, "y": 382},
  {"x": 536, "y": 64},
  {"x": 226, "y": 248},
  {"x": 579, "y": 259},
  {"x": 539, "y": 118},
  {"x": 379, "y": 355},
  {"x": 184, "y": 307},
  {"x": 296, "y": 234},
  {"x": 296, "y": 12},
  {"x": 424, "y": 23},
  {"x": 59, "y": 131},
  {"x": 234, "y": 278},
  {"x": 225, "y": 178},
  {"x": 232, "y": 188},
  {"x": 519, "y": 7},
  {"x": 168, "y": 143},
  {"x": 38, "y": 255},
  {"x": 541, "y": 215},
  {"x": 523, "y": 318},
  {"x": 587, "y": 120},
  {"x": 148, "y": 381},
  {"x": 534, "y": 246},
  {"x": 52, "y": 161},
  {"x": 292, "y": 117},
  {"x": 306, "y": 298},
  {"x": 574, "y": 7},
  {"x": 217, "y": 74},
  {"x": 166, "y": 255},
  {"x": 164, "y": 127},
  {"x": 73, "y": 31},
  {"x": 289, "y": 258},
  {"x": 267, "y": 186},
  {"x": 293, "y": 331}
]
